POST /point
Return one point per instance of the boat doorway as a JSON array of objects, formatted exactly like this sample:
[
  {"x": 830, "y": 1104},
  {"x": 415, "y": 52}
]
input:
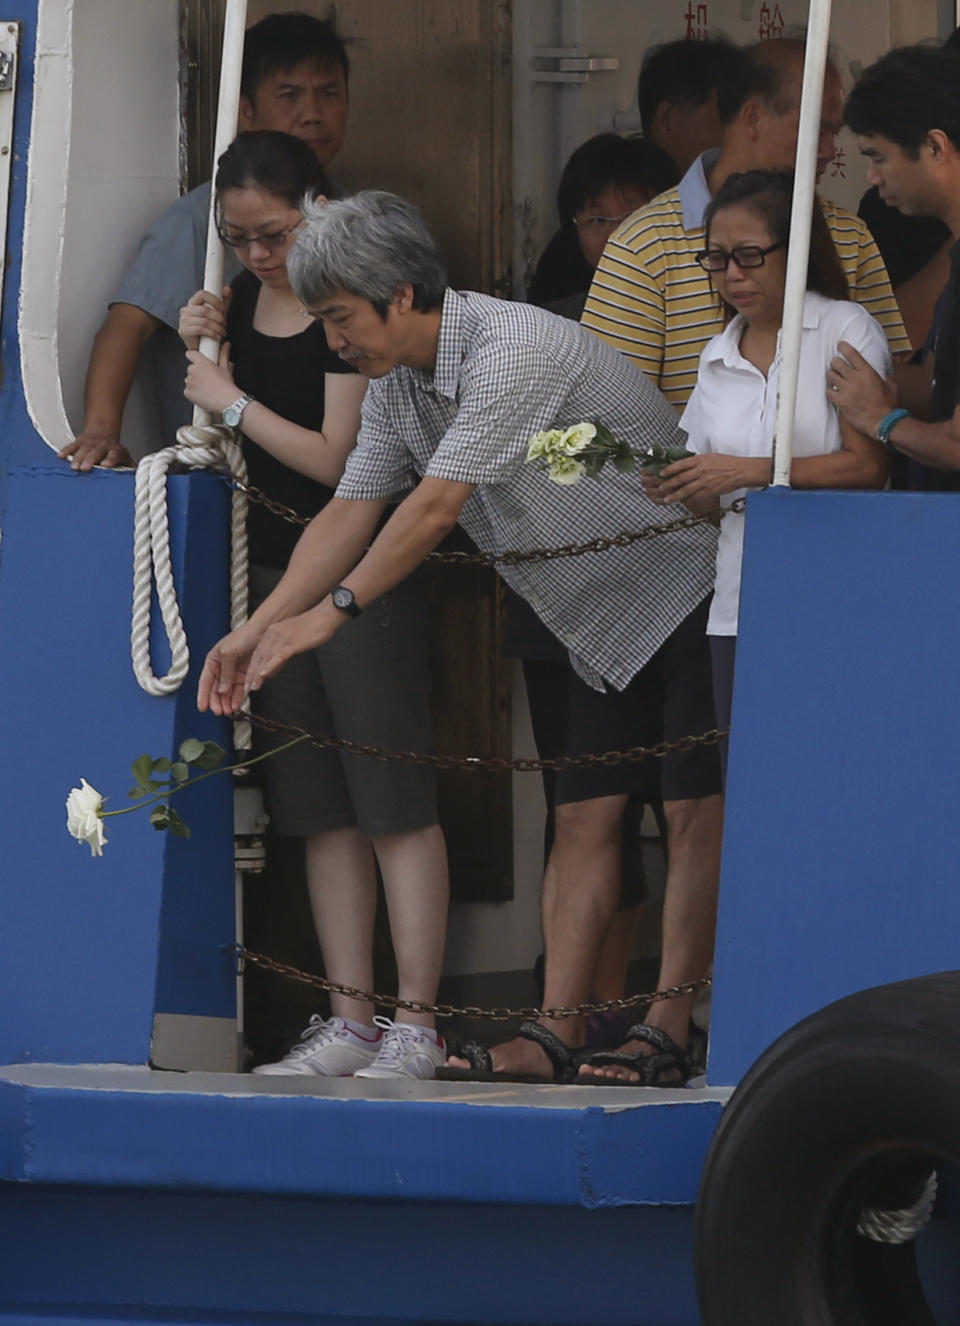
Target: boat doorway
[{"x": 430, "y": 120}]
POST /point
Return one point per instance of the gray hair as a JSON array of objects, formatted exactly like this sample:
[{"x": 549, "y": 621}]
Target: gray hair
[{"x": 370, "y": 245}]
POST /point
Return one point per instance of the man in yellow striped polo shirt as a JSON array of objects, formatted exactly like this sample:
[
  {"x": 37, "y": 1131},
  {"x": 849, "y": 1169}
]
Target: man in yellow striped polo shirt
[{"x": 650, "y": 300}]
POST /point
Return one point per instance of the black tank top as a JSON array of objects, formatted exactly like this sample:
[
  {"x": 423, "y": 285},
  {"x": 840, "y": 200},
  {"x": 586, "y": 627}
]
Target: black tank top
[{"x": 285, "y": 373}]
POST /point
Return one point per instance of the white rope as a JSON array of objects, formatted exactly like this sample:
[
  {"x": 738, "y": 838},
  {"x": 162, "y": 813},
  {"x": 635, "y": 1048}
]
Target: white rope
[
  {"x": 200, "y": 447},
  {"x": 899, "y": 1226}
]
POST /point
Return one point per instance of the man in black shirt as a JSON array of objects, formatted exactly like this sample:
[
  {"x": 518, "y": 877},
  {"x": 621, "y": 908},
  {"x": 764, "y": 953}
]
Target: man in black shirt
[
  {"x": 905, "y": 111},
  {"x": 907, "y": 243}
]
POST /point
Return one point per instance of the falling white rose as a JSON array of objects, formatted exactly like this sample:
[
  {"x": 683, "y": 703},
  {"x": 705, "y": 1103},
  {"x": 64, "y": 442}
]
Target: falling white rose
[
  {"x": 83, "y": 817},
  {"x": 155, "y": 782}
]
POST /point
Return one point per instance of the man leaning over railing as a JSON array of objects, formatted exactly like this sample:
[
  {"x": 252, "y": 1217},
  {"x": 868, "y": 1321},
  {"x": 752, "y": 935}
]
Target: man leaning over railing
[{"x": 460, "y": 384}]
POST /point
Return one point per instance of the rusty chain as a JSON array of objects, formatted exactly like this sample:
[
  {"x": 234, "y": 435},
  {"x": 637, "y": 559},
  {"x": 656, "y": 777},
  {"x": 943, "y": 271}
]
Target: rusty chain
[
  {"x": 633, "y": 754},
  {"x": 244, "y": 955},
  {"x": 514, "y": 557}
]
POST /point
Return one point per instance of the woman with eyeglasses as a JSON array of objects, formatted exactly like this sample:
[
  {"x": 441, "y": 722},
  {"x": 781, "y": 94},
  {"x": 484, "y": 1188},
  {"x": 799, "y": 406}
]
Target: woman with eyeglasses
[
  {"x": 297, "y": 406},
  {"x": 731, "y": 415}
]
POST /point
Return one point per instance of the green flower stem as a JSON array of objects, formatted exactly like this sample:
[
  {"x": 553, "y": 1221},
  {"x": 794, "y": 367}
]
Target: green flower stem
[{"x": 228, "y": 768}]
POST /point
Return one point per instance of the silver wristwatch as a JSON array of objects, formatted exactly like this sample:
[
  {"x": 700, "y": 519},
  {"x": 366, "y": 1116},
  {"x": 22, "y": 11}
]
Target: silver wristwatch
[{"x": 233, "y": 414}]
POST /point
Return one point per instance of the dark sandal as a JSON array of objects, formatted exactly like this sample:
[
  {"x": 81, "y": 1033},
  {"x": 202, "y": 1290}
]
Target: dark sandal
[
  {"x": 668, "y": 1056},
  {"x": 563, "y": 1060}
]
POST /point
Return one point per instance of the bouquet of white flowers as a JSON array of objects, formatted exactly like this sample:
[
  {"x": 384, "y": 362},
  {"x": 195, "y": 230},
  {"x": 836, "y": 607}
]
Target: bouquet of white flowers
[{"x": 583, "y": 449}]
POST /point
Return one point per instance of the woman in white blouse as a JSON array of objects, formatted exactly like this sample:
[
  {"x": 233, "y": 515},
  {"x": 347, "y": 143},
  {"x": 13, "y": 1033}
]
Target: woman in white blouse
[{"x": 731, "y": 415}]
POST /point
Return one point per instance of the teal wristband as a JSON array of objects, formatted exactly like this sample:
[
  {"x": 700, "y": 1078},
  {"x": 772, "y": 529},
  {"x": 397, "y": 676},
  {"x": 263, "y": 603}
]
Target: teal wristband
[{"x": 887, "y": 423}]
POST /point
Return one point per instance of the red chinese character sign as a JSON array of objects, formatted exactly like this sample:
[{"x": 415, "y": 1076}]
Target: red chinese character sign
[
  {"x": 838, "y": 166},
  {"x": 696, "y": 18},
  {"x": 771, "y": 22}
]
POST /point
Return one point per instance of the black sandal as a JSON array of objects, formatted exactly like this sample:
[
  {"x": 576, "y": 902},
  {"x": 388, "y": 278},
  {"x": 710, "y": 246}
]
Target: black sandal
[
  {"x": 668, "y": 1056},
  {"x": 563, "y": 1059}
]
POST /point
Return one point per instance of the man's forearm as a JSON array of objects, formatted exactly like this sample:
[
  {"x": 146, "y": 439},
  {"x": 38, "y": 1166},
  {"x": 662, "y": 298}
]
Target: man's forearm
[
  {"x": 292, "y": 621},
  {"x": 329, "y": 547},
  {"x": 936, "y": 445},
  {"x": 113, "y": 365},
  {"x": 419, "y": 523}
]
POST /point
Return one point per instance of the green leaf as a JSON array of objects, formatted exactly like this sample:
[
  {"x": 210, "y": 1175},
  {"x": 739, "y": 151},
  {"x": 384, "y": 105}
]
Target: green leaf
[
  {"x": 176, "y": 825},
  {"x": 162, "y": 765},
  {"x": 180, "y": 771},
  {"x": 191, "y": 750},
  {"x": 211, "y": 757},
  {"x": 136, "y": 793},
  {"x": 624, "y": 464},
  {"x": 160, "y": 817},
  {"x": 142, "y": 768}
]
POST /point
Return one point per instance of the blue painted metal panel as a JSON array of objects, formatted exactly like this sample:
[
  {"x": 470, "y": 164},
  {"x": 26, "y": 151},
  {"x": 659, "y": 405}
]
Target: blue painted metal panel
[
  {"x": 194, "y": 974},
  {"x": 83, "y": 935},
  {"x": 840, "y": 852},
  {"x": 345, "y": 1146},
  {"x": 206, "y": 1258},
  {"x": 100, "y": 945}
]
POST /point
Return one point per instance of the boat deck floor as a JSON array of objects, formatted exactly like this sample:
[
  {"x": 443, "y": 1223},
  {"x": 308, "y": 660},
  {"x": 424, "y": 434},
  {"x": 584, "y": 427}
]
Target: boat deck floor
[{"x": 353, "y": 1138}]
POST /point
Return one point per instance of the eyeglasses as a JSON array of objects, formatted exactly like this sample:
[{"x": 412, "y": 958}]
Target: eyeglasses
[
  {"x": 744, "y": 255},
  {"x": 598, "y": 223},
  {"x": 271, "y": 242}
]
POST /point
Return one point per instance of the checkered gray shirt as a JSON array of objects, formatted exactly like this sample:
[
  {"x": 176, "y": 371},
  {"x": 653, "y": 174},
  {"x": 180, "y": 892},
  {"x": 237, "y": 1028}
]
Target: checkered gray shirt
[{"x": 505, "y": 371}]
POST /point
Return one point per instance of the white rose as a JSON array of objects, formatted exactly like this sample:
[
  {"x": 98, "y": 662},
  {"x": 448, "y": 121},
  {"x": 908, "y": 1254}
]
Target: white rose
[
  {"x": 565, "y": 470},
  {"x": 577, "y": 437},
  {"x": 83, "y": 817},
  {"x": 543, "y": 444}
]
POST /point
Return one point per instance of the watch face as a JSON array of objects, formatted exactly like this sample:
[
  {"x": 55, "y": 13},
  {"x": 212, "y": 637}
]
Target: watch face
[
  {"x": 342, "y": 597},
  {"x": 233, "y": 414}
]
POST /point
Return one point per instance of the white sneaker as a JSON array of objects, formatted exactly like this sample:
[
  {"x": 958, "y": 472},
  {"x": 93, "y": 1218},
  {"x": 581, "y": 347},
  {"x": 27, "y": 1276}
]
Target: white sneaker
[
  {"x": 405, "y": 1051},
  {"x": 327, "y": 1048}
]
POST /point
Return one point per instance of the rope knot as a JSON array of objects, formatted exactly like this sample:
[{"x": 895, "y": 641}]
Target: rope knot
[{"x": 199, "y": 446}]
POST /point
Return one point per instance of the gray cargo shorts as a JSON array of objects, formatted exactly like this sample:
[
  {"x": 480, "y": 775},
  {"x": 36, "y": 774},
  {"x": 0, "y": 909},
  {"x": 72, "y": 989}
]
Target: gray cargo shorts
[{"x": 371, "y": 684}]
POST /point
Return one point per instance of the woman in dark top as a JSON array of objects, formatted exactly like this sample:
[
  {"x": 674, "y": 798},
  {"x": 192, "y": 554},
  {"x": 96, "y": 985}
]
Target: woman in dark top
[{"x": 298, "y": 407}]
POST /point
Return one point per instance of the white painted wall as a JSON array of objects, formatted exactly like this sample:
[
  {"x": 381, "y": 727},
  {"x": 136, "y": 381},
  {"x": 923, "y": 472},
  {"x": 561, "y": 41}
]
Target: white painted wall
[
  {"x": 103, "y": 164},
  {"x": 124, "y": 168}
]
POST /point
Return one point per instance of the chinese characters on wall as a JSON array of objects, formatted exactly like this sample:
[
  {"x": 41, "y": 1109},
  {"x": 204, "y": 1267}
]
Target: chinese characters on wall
[
  {"x": 771, "y": 22},
  {"x": 696, "y": 17}
]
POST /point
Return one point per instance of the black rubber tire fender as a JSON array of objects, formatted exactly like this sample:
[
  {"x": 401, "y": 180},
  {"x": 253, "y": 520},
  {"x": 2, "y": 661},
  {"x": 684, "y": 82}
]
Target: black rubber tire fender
[{"x": 854, "y": 1106}]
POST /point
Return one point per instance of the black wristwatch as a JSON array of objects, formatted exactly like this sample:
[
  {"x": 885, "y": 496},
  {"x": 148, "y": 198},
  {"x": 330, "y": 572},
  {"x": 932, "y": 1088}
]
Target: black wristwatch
[{"x": 344, "y": 600}]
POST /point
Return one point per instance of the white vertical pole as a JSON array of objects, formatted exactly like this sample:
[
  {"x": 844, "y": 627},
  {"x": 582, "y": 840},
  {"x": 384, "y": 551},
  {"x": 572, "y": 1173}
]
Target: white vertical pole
[
  {"x": 228, "y": 103},
  {"x": 804, "y": 191}
]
